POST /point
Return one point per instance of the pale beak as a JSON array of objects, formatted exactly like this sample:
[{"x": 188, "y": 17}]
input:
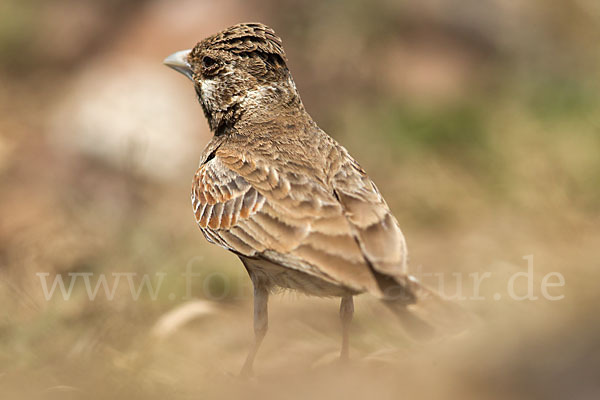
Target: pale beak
[{"x": 179, "y": 62}]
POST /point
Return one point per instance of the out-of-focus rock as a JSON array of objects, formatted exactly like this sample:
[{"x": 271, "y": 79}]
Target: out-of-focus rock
[
  {"x": 125, "y": 108},
  {"x": 128, "y": 113},
  {"x": 173, "y": 320}
]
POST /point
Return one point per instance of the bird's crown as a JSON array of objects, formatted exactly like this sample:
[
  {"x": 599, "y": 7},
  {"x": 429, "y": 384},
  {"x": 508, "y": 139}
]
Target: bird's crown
[{"x": 245, "y": 39}]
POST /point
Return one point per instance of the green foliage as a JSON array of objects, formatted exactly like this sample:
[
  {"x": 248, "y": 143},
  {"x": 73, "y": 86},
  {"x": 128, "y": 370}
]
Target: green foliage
[
  {"x": 456, "y": 132},
  {"x": 556, "y": 99},
  {"x": 17, "y": 29}
]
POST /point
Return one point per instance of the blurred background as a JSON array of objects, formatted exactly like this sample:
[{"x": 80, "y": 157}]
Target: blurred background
[{"x": 477, "y": 119}]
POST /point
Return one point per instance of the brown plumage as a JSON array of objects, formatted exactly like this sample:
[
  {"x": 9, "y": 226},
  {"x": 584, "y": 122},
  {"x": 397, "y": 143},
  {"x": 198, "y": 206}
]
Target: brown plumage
[{"x": 276, "y": 190}]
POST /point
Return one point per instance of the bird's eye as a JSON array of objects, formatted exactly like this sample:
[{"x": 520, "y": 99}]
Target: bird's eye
[{"x": 208, "y": 62}]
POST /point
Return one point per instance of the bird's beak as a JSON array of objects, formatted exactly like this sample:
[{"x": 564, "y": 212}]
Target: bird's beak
[{"x": 179, "y": 62}]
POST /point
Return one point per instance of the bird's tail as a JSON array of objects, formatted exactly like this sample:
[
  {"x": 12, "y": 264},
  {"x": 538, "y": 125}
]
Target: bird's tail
[{"x": 425, "y": 314}]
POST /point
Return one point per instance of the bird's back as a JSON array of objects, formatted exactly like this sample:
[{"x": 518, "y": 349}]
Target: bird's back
[{"x": 289, "y": 196}]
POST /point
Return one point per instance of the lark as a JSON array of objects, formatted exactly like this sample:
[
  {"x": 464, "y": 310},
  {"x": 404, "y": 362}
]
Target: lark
[{"x": 281, "y": 194}]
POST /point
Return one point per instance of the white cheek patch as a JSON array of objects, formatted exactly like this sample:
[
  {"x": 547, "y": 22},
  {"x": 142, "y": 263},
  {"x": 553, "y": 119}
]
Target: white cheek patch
[
  {"x": 249, "y": 99},
  {"x": 292, "y": 84},
  {"x": 208, "y": 87},
  {"x": 260, "y": 92},
  {"x": 253, "y": 98}
]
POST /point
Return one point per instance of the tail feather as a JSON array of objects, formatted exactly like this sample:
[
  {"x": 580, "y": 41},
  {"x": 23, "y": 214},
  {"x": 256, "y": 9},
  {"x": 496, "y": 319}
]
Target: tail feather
[
  {"x": 416, "y": 327},
  {"x": 428, "y": 315}
]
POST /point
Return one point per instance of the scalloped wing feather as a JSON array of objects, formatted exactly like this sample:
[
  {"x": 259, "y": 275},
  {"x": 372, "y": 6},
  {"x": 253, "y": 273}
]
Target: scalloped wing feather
[{"x": 258, "y": 210}]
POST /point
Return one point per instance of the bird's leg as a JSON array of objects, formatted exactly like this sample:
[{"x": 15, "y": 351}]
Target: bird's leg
[
  {"x": 261, "y": 322},
  {"x": 346, "y": 313}
]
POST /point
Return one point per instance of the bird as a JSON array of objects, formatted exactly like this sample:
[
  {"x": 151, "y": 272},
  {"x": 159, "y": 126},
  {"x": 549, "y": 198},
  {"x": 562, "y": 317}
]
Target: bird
[{"x": 276, "y": 190}]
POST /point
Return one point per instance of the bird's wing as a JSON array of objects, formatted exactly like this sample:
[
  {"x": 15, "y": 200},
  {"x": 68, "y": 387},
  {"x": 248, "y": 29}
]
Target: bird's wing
[
  {"x": 257, "y": 210},
  {"x": 377, "y": 231}
]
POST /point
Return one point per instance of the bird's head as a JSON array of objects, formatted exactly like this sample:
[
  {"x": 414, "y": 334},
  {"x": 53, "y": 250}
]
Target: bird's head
[{"x": 241, "y": 70}]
